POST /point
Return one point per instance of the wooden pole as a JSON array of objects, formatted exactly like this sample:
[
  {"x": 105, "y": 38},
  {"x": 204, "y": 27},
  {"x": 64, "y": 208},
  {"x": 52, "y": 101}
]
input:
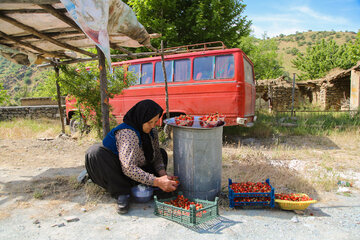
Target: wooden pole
[
  {"x": 103, "y": 93},
  {"x": 165, "y": 78},
  {"x": 293, "y": 96},
  {"x": 59, "y": 99}
]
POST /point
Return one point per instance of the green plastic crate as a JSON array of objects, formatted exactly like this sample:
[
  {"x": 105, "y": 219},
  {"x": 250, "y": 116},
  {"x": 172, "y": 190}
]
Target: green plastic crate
[{"x": 185, "y": 217}]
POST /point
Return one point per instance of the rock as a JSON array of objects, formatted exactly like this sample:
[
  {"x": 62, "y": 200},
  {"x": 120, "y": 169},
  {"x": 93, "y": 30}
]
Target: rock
[
  {"x": 299, "y": 212},
  {"x": 58, "y": 225},
  {"x": 45, "y": 139},
  {"x": 71, "y": 219},
  {"x": 36, "y": 222},
  {"x": 295, "y": 219},
  {"x": 343, "y": 190},
  {"x": 83, "y": 209}
]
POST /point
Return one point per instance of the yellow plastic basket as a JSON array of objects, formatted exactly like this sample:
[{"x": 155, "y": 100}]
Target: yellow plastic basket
[{"x": 294, "y": 205}]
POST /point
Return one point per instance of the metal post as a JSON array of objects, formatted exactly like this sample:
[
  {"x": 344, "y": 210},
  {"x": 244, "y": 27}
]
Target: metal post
[
  {"x": 103, "y": 93},
  {"x": 292, "y": 96},
  {"x": 59, "y": 99}
]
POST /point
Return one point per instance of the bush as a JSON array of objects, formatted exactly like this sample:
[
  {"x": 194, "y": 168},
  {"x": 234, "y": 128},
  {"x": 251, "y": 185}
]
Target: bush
[{"x": 307, "y": 123}]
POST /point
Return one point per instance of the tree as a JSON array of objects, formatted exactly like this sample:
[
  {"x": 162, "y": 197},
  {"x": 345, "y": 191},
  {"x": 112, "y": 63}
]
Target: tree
[
  {"x": 263, "y": 55},
  {"x": 82, "y": 82},
  {"x": 4, "y": 97},
  {"x": 324, "y": 56},
  {"x": 354, "y": 50},
  {"x": 183, "y": 22}
]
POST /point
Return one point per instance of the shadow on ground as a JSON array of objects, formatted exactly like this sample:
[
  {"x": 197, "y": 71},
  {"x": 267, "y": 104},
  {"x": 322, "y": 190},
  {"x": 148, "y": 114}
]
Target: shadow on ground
[
  {"x": 53, "y": 184},
  {"x": 214, "y": 226}
]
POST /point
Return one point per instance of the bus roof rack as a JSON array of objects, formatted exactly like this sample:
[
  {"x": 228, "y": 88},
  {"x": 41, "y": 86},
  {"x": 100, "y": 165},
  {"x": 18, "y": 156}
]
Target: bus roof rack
[{"x": 198, "y": 47}]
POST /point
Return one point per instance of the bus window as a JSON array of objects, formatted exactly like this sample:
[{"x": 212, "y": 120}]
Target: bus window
[
  {"x": 203, "y": 68},
  {"x": 224, "y": 66},
  {"x": 181, "y": 70},
  {"x": 146, "y": 73},
  {"x": 159, "y": 74},
  {"x": 135, "y": 70},
  {"x": 249, "y": 75}
]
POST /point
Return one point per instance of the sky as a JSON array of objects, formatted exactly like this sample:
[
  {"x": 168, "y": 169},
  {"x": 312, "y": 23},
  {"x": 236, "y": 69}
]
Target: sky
[{"x": 289, "y": 16}]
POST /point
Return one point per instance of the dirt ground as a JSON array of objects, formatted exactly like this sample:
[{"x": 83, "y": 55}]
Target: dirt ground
[{"x": 39, "y": 192}]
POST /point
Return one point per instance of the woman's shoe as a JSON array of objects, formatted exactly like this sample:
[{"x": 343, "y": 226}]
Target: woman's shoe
[{"x": 123, "y": 202}]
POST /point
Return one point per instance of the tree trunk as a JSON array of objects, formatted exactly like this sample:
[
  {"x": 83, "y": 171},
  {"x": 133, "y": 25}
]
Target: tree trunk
[
  {"x": 165, "y": 78},
  {"x": 103, "y": 92},
  {"x": 59, "y": 99}
]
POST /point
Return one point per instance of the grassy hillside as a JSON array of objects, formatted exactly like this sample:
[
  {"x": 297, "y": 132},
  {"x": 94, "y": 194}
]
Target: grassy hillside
[
  {"x": 291, "y": 44},
  {"x": 19, "y": 80}
]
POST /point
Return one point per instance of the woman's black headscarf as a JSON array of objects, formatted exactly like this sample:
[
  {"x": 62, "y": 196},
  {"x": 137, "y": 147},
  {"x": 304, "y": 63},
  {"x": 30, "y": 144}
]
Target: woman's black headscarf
[{"x": 139, "y": 114}]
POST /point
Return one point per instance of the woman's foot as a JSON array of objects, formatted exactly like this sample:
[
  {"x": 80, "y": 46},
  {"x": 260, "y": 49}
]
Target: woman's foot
[{"x": 123, "y": 202}]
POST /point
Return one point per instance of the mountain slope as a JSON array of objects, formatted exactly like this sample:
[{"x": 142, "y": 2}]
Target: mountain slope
[{"x": 291, "y": 44}]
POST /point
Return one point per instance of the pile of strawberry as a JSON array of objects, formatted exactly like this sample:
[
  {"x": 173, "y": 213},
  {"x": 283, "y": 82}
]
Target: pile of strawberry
[
  {"x": 252, "y": 199},
  {"x": 184, "y": 120},
  {"x": 184, "y": 203},
  {"x": 250, "y": 187},
  {"x": 292, "y": 197},
  {"x": 212, "y": 120}
]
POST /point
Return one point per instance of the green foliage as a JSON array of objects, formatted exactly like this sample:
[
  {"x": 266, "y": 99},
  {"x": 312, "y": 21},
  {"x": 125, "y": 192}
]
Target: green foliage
[
  {"x": 302, "y": 43},
  {"x": 263, "y": 55},
  {"x": 294, "y": 51},
  {"x": 299, "y": 37},
  {"x": 46, "y": 86},
  {"x": 4, "y": 97},
  {"x": 324, "y": 56},
  {"x": 183, "y": 22},
  {"x": 27, "y": 80},
  {"x": 82, "y": 82},
  {"x": 354, "y": 49}
]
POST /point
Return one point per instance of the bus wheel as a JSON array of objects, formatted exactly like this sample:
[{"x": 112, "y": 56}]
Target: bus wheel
[
  {"x": 77, "y": 125},
  {"x": 168, "y": 131},
  {"x": 74, "y": 126}
]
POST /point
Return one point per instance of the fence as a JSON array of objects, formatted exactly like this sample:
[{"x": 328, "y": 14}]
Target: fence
[{"x": 311, "y": 114}]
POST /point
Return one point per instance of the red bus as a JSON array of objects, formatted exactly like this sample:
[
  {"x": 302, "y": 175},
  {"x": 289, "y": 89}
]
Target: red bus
[{"x": 199, "y": 83}]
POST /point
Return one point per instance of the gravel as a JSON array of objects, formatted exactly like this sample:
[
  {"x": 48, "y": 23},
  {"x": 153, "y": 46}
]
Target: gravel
[{"x": 338, "y": 218}]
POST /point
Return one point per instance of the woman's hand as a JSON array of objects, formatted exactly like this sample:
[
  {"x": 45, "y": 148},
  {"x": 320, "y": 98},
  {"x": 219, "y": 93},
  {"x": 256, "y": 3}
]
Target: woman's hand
[{"x": 165, "y": 184}]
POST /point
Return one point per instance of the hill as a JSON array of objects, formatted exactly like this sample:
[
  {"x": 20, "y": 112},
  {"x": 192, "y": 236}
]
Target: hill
[
  {"x": 291, "y": 44},
  {"x": 19, "y": 80}
]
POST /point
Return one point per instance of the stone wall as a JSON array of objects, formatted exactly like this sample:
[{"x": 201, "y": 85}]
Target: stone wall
[
  {"x": 336, "y": 91},
  {"x": 40, "y": 101},
  {"x": 32, "y": 112},
  {"x": 279, "y": 92}
]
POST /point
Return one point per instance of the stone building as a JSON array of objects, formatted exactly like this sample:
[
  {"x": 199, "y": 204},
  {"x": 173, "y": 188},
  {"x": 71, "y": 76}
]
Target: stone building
[
  {"x": 334, "y": 91},
  {"x": 337, "y": 91}
]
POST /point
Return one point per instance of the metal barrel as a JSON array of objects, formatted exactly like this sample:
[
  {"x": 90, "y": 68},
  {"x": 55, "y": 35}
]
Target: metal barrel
[{"x": 198, "y": 161}]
